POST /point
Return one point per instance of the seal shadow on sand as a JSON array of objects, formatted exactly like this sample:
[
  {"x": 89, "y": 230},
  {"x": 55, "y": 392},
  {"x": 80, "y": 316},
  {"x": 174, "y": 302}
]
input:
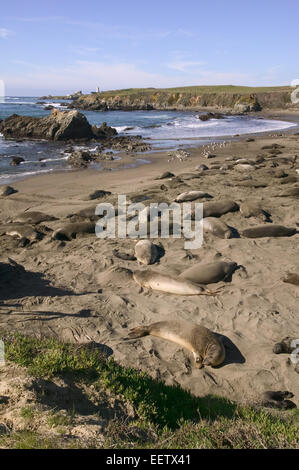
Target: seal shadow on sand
[
  {"x": 16, "y": 283},
  {"x": 233, "y": 354}
]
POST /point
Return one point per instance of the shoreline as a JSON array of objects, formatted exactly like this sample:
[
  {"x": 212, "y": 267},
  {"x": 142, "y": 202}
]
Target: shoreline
[{"x": 119, "y": 165}]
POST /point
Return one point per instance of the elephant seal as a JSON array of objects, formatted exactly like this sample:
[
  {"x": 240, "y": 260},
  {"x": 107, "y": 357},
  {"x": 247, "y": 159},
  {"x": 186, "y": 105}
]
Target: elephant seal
[
  {"x": 34, "y": 217},
  {"x": 251, "y": 208},
  {"x": 208, "y": 273},
  {"x": 286, "y": 346},
  {"x": 26, "y": 233},
  {"x": 69, "y": 231},
  {"x": 218, "y": 208},
  {"x": 206, "y": 347},
  {"x": 170, "y": 284},
  {"x": 268, "y": 231},
  {"x": 290, "y": 192},
  {"x": 7, "y": 191},
  {"x": 146, "y": 252},
  {"x": 216, "y": 226},
  {"x": 292, "y": 278},
  {"x": 191, "y": 196},
  {"x": 166, "y": 174}
]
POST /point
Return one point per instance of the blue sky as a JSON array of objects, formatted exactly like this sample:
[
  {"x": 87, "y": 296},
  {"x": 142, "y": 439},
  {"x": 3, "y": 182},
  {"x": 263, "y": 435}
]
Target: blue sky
[{"x": 63, "y": 46}]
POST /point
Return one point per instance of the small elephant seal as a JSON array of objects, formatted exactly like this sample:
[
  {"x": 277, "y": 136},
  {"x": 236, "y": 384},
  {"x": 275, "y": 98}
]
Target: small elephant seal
[
  {"x": 209, "y": 273},
  {"x": 218, "y": 208},
  {"x": 251, "y": 208},
  {"x": 206, "y": 347},
  {"x": 191, "y": 196},
  {"x": 7, "y": 191},
  {"x": 124, "y": 256},
  {"x": 217, "y": 227},
  {"x": 166, "y": 174},
  {"x": 286, "y": 346},
  {"x": 69, "y": 231},
  {"x": 278, "y": 400},
  {"x": 146, "y": 252},
  {"x": 268, "y": 231},
  {"x": 292, "y": 278},
  {"x": 171, "y": 285},
  {"x": 34, "y": 217}
]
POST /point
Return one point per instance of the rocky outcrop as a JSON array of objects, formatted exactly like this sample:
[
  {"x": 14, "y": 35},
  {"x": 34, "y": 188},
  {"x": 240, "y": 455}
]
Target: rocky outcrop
[
  {"x": 58, "y": 126},
  {"x": 226, "y": 99},
  {"x": 208, "y": 116}
]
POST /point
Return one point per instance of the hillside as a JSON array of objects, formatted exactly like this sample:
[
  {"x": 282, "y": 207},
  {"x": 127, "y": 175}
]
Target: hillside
[{"x": 226, "y": 97}]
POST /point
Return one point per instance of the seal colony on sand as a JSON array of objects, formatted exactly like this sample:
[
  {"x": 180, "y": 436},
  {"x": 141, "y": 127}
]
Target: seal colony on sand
[
  {"x": 206, "y": 347},
  {"x": 165, "y": 283}
]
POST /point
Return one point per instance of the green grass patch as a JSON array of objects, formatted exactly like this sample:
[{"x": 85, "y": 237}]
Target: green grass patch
[{"x": 178, "y": 418}]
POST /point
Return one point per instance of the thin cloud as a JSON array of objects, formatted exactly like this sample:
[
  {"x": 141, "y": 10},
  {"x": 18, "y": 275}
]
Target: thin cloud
[
  {"x": 4, "y": 33},
  {"x": 100, "y": 29},
  {"x": 184, "y": 66}
]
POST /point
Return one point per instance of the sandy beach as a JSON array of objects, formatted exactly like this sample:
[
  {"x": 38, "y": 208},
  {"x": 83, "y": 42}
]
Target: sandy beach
[{"x": 78, "y": 291}]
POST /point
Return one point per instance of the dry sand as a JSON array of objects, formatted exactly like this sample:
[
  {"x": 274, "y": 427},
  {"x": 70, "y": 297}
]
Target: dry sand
[{"x": 76, "y": 292}]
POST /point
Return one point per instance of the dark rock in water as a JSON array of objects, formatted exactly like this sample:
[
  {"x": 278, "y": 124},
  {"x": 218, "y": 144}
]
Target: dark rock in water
[
  {"x": 250, "y": 139},
  {"x": 104, "y": 131},
  {"x": 59, "y": 125},
  {"x": 48, "y": 108},
  {"x": 16, "y": 161},
  {"x": 7, "y": 190},
  {"x": 207, "y": 116},
  {"x": 79, "y": 159}
]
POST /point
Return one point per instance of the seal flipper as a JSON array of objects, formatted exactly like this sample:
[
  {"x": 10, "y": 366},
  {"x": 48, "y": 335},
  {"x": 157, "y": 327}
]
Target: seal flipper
[{"x": 138, "y": 332}]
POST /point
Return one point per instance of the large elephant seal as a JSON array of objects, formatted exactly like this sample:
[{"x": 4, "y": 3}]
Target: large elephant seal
[
  {"x": 34, "y": 217},
  {"x": 218, "y": 208},
  {"x": 69, "y": 231},
  {"x": 25, "y": 233},
  {"x": 191, "y": 196},
  {"x": 268, "y": 231},
  {"x": 209, "y": 273},
  {"x": 206, "y": 347},
  {"x": 146, "y": 252},
  {"x": 217, "y": 227},
  {"x": 170, "y": 284}
]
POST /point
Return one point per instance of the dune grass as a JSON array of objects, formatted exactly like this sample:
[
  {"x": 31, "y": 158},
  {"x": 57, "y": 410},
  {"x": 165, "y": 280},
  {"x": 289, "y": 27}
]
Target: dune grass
[
  {"x": 177, "y": 418},
  {"x": 196, "y": 90}
]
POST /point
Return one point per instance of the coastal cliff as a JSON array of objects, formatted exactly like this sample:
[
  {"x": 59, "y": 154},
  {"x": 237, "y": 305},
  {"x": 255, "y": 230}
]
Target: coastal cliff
[{"x": 236, "y": 99}]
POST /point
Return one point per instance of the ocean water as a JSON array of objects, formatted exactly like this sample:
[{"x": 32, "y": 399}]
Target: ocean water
[{"x": 164, "y": 129}]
